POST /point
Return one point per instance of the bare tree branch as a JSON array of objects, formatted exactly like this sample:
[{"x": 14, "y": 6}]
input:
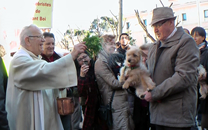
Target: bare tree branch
[
  {"x": 162, "y": 3},
  {"x": 143, "y": 26},
  {"x": 124, "y": 23},
  {"x": 171, "y": 4},
  {"x": 60, "y": 32},
  {"x": 114, "y": 15},
  {"x": 178, "y": 22},
  {"x": 110, "y": 25}
]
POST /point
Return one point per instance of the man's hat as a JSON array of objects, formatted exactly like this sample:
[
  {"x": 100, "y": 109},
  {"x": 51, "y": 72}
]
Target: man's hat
[{"x": 162, "y": 13}]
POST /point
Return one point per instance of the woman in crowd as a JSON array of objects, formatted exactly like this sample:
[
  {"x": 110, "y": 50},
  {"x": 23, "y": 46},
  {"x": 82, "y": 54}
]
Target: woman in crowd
[
  {"x": 107, "y": 83},
  {"x": 199, "y": 35},
  {"x": 87, "y": 87}
]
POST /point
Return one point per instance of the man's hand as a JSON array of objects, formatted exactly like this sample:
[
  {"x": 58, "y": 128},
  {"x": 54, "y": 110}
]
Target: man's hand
[
  {"x": 148, "y": 96},
  {"x": 78, "y": 48},
  {"x": 83, "y": 70}
]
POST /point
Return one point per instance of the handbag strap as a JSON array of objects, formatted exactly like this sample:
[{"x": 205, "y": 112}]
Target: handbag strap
[
  {"x": 111, "y": 100},
  {"x": 110, "y": 103}
]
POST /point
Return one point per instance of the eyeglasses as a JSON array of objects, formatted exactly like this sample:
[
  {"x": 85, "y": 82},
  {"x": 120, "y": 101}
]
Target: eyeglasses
[
  {"x": 41, "y": 36},
  {"x": 159, "y": 24},
  {"x": 80, "y": 59}
]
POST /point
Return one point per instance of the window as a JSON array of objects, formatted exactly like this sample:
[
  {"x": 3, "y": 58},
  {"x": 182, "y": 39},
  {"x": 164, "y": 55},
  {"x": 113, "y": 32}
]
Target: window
[
  {"x": 184, "y": 17},
  {"x": 145, "y": 22},
  {"x": 206, "y": 34},
  {"x": 145, "y": 39},
  {"x": 205, "y": 13},
  {"x": 127, "y": 25}
]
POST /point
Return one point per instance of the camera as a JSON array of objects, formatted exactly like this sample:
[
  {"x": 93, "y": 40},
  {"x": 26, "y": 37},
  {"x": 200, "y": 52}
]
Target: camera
[{"x": 85, "y": 62}]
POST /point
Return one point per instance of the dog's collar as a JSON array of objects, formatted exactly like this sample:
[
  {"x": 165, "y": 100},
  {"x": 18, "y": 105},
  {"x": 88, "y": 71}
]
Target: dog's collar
[{"x": 132, "y": 67}]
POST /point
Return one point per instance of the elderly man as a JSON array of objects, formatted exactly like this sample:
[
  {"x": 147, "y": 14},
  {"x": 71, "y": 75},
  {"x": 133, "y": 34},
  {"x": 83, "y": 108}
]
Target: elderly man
[
  {"x": 28, "y": 105},
  {"x": 172, "y": 62},
  {"x": 109, "y": 86}
]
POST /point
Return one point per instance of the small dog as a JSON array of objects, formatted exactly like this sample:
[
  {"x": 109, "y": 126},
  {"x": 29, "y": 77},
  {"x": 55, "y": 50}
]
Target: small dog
[
  {"x": 203, "y": 85},
  {"x": 135, "y": 72}
]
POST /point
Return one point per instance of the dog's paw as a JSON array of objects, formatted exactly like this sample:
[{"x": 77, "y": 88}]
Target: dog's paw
[
  {"x": 149, "y": 90},
  {"x": 203, "y": 96},
  {"x": 125, "y": 86},
  {"x": 140, "y": 93},
  {"x": 141, "y": 96},
  {"x": 201, "y": 72}
]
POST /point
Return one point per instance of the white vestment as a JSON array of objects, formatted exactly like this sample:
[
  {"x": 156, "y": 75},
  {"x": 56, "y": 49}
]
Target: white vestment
[{"x": 33, "y": 88}]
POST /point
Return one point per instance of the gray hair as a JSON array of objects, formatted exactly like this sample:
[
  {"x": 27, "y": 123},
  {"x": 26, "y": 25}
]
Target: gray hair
[
  {"x": 26, "y": 31},
  {"x": 106, "y": 39}
]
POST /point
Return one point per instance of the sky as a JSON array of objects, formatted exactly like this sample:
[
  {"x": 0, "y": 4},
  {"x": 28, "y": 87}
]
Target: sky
[
  {"x": 80, "y": 13},
  {"x": 74, "y": 13}
]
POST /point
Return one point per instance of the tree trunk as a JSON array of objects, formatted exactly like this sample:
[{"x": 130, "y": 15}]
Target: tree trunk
[{"x": 120, "y": 16}]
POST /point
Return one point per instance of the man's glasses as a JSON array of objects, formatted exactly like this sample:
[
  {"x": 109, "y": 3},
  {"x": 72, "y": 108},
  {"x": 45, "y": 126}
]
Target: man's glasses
[
  {"x": 41, "y": 36},
  {"x": 159, "y": 24}
]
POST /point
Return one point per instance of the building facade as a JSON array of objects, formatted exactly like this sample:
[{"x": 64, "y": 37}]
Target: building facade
[{"x": 190, "y": 13}]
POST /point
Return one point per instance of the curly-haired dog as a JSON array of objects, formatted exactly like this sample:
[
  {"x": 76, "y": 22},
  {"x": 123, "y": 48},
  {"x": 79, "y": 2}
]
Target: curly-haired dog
[
  {"x": 134, "y": 71},
  {"x": 203, "y": 85}
]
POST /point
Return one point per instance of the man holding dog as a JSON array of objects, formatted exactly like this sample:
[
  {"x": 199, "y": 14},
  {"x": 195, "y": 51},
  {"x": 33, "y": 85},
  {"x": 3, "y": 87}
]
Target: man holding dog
[{"x": 172, "y": 61}]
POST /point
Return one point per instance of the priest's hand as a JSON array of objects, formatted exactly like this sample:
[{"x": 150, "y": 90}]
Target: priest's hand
[
  {"x": 78, "y": 48},
  {"x": 83, "y": 70}
]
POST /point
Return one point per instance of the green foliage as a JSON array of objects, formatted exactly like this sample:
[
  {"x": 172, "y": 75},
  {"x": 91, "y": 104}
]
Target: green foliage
[
  {"x": 93, "y": 45},
  {"x": 110, "y": 22},
  {"x": 102, "y": 25}
]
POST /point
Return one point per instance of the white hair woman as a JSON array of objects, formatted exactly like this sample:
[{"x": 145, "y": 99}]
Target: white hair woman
[{"x": 108, "y": 83}]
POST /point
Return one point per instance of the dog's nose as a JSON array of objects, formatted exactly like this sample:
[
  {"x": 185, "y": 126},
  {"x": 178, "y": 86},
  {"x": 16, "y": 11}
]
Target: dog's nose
[{"x": 129, "y": 60}]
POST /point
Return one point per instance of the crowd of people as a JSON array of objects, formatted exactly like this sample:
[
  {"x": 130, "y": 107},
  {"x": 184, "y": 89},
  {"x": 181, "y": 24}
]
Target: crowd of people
[{"x": 37, "y": 75}]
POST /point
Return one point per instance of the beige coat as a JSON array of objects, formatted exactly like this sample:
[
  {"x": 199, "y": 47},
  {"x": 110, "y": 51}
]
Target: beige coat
[
  {"x": 29, "y": 105},
  {"x": 107, "y": 83},
  {"x": 175, "y": 75}
]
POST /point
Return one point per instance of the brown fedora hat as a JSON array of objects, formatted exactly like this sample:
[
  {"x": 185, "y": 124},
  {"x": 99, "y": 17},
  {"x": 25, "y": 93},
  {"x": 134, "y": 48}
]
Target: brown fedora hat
[{"x": 162, "y": 13}]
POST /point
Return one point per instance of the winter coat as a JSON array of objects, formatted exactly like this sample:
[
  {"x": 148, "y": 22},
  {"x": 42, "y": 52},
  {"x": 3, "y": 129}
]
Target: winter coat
[
  {"x": 107, "y": 82},
  {"x": 3, "y": 85},
  {"x": 204, "y": 62},
  {"x": 175, "y": 74}
]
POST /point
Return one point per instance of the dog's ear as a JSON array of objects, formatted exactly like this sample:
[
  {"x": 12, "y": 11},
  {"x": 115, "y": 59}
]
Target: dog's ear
[{"x": 139, "y": 52}]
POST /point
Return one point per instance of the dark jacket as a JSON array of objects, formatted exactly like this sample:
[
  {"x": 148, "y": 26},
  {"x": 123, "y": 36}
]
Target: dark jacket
[
  {"x": 55, "y": 57},
  {"x": 204, "y": 62},
  {"x": 87, "y": 88},
  {"x": 175, "y": 73},
  {"x": 3, "y": 85}
]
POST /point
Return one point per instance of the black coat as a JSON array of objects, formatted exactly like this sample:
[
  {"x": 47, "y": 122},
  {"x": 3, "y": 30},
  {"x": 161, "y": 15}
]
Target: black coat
[
  {"x": 204, "y": 62},
  {"x": 3, "y": 85}
]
